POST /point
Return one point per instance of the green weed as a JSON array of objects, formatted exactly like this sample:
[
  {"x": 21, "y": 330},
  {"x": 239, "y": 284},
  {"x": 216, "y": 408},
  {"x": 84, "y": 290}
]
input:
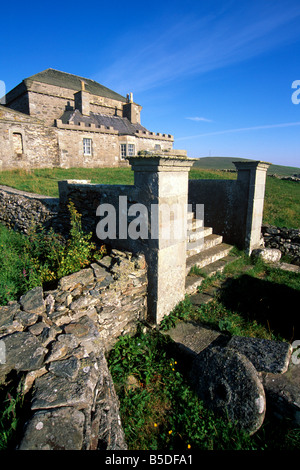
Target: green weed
[
  {"x": 180, "y": 312},
  {"x": 161, "y": 411},
  {"x": 12, "y": 400},
  {"x": 42, "y": 257}
]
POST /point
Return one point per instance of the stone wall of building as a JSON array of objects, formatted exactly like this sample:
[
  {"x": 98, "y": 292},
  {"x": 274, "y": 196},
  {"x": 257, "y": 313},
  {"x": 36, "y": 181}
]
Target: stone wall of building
[
  {"x": 41, "y": 146},
  {"x": 37, "y": 145},
  {"x": 48, "y": 102},
  {"x": 57, "y": 340},
  {"x": 39, "y": 116},
  {"x": 105, "y": 148},
  {"x": 153, "y": 141}
]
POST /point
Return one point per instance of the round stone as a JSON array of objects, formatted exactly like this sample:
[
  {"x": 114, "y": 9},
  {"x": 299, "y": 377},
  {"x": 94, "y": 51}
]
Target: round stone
[{"x": 228, "y": 383}]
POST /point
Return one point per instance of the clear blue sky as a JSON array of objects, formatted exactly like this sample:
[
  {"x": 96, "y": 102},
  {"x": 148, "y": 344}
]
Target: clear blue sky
[{"x": 216, "y": 74}]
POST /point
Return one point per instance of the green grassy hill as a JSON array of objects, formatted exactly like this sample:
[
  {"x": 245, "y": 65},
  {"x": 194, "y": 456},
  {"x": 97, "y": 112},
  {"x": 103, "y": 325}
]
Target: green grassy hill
[{"x": 225, "y": 163}]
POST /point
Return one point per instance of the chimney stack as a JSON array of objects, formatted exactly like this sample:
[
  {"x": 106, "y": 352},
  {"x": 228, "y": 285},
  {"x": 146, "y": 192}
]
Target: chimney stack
[
  {"x": 132, "y": 110},
  {"x": 82, "y": 100}
]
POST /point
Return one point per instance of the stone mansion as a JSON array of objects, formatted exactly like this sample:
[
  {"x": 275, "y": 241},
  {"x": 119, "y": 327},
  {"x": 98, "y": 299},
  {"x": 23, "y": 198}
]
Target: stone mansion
[{"x": 56, "y": 119}]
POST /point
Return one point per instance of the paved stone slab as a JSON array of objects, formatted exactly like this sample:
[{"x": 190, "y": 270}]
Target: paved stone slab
[
  {"x": 191, "y": 337},
  {"x": 265, "y": 355},
  {"x": 60, "y": 429},
  {"x": 289, "y": 267},
  {"x": 228, "y": 383}
]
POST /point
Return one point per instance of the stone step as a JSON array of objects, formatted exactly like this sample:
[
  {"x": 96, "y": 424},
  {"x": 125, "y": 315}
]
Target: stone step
[
  {"x": 208, "y": 256},
  {"x": 194, "y": 224},
  {"x": 193, "y": 235},
  {"x": 203, "y": 244},
  {"x": 193, "y": 281}
]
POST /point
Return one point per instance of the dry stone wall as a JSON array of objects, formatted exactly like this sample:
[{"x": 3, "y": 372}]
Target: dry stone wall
[
  {"x": 57, "y": 341},
  {"x": 20, "y": 210},
  {"x": 284, "y": 239}
]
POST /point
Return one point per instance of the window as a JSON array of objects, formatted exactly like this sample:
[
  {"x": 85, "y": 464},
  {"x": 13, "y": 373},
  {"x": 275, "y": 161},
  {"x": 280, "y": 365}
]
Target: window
[
  {"x": 123, "y": 150},
  {"x": 130, "y": 150},
  {"x": 127, "y": 150},
  {"x": 87, "y": 146}
]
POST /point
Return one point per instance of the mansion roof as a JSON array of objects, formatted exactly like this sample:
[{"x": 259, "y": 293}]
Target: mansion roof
[{"x": 120, "y": 124}]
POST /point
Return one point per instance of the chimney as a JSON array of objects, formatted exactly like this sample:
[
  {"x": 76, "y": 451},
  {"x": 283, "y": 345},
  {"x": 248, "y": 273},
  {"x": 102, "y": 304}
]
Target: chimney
[
  {"x": 82, "y": 100},
  {"x": 132, "y": 110}
]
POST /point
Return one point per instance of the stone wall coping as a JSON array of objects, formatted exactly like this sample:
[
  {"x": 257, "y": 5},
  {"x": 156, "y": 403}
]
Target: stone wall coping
[
  {"x": 149, "y": 162},
  {"x": 252, "y": 165},
  {"x": 10, "y": 190}
]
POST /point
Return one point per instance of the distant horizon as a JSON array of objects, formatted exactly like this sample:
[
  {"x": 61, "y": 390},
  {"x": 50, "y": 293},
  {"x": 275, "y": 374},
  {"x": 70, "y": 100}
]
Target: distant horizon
[
  {"x": 250, "y": 159},
  {"x": 222, "y": 76}
]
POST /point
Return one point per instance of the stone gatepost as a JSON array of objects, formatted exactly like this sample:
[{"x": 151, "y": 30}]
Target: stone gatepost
[
  {"x": 162, "y": 187},
  {"x": 252, "y": 176}
]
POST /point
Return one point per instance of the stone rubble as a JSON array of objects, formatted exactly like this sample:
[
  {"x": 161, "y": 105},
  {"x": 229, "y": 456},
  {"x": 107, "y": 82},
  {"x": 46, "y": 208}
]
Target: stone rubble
[{"x": 58, "y": 341}]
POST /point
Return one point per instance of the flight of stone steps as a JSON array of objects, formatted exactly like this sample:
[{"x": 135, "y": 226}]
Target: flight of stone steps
[{"x": 205, "y": 250}]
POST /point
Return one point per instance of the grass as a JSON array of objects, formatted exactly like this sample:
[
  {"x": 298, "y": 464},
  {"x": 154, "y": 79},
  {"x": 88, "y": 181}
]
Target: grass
[
  {"x": 161, "y": 412},
  {"x": 226, "y": 163},
  {"x": 282, "y": 198},
  {"x": 44, "y": 181},
  {"x": 250, "y": 300},
  {"x": 282, "y": 203},
  {"x": 159, "y": 409}
]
